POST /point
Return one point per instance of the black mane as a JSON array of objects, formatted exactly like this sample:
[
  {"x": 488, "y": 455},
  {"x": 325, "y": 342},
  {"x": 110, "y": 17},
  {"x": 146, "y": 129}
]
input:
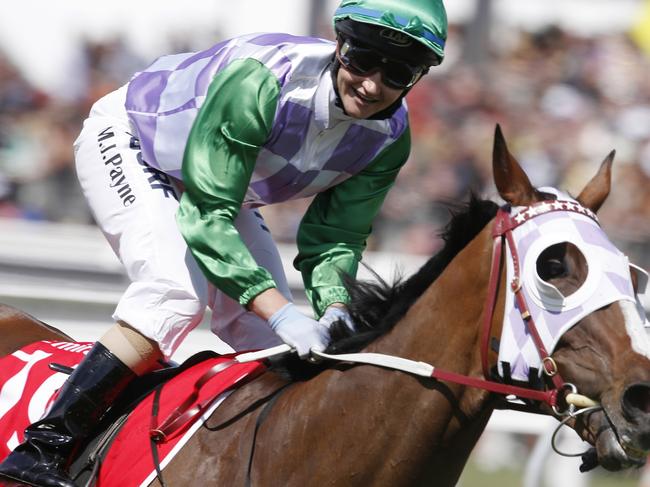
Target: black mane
[{"x": 377, "y": 306}]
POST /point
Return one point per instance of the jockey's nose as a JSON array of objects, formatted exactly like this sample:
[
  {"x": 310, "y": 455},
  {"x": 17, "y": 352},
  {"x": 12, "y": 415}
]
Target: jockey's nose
[
  {"x": 372, "y": 83},
  {"x": 636, "y": 402}
]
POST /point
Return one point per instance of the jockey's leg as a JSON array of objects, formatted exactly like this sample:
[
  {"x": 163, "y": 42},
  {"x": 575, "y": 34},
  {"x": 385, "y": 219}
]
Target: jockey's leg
[
  {"x": 135, "y": 206},
  {"x": 167, "y": 296},
  {"x": 231, "y": 322}
]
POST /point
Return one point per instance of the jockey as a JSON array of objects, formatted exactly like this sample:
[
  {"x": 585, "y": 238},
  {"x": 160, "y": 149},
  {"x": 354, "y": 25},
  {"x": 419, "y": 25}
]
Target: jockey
[{"x": 175, "y": 164}]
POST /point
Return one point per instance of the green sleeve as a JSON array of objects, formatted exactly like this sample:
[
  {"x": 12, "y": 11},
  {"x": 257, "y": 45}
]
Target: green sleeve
[
  {"x": 333, "y": 232},
  {"x": 223, "y": 145}
]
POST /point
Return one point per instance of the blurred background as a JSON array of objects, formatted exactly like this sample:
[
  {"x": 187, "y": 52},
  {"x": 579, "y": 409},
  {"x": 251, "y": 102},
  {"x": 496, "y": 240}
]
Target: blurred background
[{"x": 568, "y": 80}]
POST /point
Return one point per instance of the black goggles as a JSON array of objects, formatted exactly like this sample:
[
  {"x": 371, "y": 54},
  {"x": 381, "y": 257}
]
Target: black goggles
[{"x": 362, "y": 61}]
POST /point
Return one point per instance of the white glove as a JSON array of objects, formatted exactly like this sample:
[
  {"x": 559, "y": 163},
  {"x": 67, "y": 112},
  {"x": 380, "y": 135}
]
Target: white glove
[
  {"x": 335, "y": 313},
  {"x": 299, "y": 331}
]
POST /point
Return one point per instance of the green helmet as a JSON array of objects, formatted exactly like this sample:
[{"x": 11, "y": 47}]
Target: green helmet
[{"x": 422, "y": 20}]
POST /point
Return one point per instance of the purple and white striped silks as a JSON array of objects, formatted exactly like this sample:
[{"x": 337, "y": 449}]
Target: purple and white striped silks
[{"x": 312, "y": 146}]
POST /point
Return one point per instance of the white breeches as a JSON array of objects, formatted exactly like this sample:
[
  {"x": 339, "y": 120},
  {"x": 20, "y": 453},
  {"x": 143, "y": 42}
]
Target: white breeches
[{"x": 135, "y": 206}]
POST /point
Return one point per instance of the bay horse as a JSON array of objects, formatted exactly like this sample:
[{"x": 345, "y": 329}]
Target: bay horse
[{"x": 359, "y": 425}]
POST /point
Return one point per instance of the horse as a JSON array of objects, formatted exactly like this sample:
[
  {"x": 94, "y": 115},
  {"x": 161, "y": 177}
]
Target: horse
[{"x": 357, "y": 424}]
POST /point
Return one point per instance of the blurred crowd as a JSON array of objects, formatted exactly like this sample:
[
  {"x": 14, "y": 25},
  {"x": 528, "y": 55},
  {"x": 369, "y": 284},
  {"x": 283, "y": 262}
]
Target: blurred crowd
[
  {"x": 37, "y": 130},
  {"x": 563, "y": 102}
]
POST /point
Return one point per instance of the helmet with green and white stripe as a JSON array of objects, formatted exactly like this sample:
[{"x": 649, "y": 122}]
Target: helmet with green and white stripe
[{"x": 393, "y": 25}]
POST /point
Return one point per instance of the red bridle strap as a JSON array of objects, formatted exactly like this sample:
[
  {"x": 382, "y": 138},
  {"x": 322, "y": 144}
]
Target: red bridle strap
[
  {"x": 502, "y": 235},
  {"x": 549, "y": 397},
  {"x": 504, "y": 224},
  {"x": 493, "y": 287}
]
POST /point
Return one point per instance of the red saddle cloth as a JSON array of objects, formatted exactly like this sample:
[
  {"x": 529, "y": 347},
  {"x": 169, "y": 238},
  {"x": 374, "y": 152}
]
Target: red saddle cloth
[{"x": 28, "y": 386}]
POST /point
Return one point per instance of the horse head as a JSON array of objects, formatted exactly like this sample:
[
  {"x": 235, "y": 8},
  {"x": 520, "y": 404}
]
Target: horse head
[{"x": 583, "y": 294}]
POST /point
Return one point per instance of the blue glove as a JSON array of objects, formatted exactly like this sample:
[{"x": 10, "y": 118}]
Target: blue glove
[
  {"x": 336, "y": 313},
  {"x": 299, "y": 331}
]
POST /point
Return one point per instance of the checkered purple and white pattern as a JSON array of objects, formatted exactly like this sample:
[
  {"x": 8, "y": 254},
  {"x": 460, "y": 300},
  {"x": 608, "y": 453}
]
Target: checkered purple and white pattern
[
  {"x": 608, "y": 280},
  {"x": 312, "y": 146}
]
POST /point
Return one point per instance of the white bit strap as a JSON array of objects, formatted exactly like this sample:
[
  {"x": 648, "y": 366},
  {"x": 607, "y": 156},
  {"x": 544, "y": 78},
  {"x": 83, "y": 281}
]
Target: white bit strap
[
  {"x": 262, "y": 354},
  {"x": 388, "y": 361}
]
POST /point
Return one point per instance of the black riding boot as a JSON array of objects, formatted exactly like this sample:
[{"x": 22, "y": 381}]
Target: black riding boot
[{"x": 43, "y": 459}]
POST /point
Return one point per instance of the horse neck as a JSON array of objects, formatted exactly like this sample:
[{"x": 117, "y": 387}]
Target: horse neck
[
  {"x": 443, "y": 328},
  {"x": 370, "y": 426}
]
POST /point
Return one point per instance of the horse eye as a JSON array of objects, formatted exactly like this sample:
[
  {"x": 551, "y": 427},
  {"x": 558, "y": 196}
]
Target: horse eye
[
  {"x": 564, "y": 266},
  {"x": 551, "y": 269}
]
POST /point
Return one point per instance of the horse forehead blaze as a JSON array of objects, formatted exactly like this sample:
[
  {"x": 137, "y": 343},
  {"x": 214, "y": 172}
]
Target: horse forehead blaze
[{"x": 635, "y": 326}]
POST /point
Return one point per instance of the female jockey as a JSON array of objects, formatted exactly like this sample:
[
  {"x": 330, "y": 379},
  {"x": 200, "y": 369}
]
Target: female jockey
[{"x": 174, "y": 165}]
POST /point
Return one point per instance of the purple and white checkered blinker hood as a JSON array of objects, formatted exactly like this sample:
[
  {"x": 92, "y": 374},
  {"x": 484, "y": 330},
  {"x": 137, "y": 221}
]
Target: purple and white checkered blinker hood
[{"x": 608, "y": 280}]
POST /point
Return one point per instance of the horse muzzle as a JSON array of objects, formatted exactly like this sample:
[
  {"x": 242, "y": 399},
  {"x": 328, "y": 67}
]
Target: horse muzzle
[
  {"x": 624, "y": 436},
  {"x": 616, "y": 454}
]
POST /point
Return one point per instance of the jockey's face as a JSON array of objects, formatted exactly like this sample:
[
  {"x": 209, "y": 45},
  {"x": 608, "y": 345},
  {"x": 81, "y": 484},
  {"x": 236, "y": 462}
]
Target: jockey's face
[{"x": 364, "y": 95}]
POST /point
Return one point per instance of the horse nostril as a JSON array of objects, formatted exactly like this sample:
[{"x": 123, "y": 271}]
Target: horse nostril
[{"x": 637, "y": 399}]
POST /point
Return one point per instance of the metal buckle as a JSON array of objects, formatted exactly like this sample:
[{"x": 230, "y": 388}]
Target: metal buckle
[
  {"x": 550, "y": 372},
  {"x": 570, "y": 410}
]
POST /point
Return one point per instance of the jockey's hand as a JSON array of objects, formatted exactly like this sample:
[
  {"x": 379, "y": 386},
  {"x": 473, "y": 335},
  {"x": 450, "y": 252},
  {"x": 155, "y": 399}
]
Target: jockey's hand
[
  {"x": 337, "y": 313},
  {"x": 299, "y": 331}
]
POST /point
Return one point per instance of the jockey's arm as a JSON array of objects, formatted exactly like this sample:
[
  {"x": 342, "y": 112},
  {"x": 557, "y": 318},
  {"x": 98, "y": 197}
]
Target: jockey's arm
[
  {"x": 230, "y": 128},
  {"x": 334, "y": 230}
]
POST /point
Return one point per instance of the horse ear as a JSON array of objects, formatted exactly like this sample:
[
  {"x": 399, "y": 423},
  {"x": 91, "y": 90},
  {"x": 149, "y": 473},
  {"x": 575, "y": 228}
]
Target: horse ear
[
  {"x": 510, "y": 179},
  {"x": 596, "y": 191}
]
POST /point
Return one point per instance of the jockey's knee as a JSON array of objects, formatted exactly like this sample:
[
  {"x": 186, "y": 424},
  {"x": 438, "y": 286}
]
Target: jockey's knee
[{"x": 163, "y": 311}]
